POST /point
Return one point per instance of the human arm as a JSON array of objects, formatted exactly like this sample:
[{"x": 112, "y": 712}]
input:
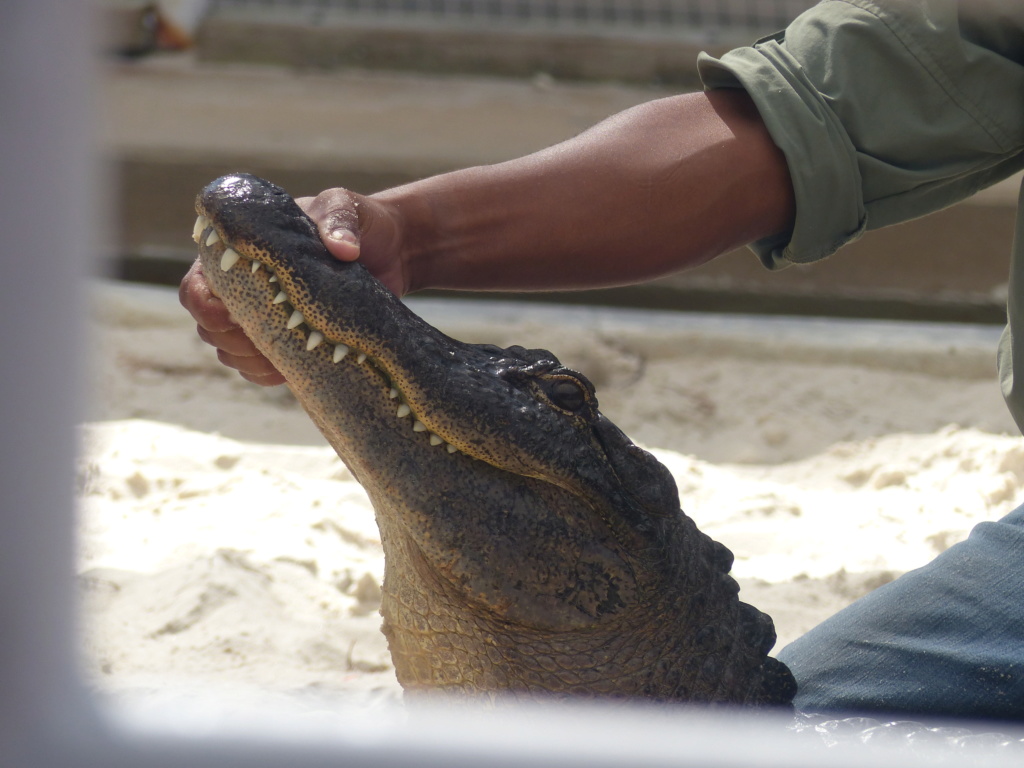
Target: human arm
[{"x": 658, "y": 188}]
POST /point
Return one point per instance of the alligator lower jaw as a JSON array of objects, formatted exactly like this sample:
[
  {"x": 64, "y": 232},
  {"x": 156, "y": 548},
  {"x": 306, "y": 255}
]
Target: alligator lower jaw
[{"x": 264, "y": 305}]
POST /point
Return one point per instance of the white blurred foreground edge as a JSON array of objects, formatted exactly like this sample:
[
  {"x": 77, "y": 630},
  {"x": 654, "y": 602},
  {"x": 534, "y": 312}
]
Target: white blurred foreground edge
[{"x": 47, "y": 718}]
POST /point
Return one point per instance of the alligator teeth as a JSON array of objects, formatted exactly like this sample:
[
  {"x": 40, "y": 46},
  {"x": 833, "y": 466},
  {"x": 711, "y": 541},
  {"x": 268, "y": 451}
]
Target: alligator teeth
[
  {"x": 229, "y": 259},
  {"x": 201, "y": 223}
]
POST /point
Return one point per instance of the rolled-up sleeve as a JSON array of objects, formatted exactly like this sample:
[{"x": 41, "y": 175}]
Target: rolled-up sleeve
[{"x": 884, "y": 112}]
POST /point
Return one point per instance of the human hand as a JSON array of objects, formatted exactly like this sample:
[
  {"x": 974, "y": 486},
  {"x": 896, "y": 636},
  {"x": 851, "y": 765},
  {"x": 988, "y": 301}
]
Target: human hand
[
  {"x": 351, "y": 227},
  {"x": 358, "y": 227},
  {"x": 217, "y": 328}
]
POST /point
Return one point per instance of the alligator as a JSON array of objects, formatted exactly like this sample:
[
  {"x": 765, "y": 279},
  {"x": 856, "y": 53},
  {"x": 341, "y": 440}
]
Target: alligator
[{"x": 531, "y": 549}]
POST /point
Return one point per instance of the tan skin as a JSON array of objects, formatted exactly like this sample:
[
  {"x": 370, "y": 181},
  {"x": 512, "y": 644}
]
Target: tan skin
[{"x": 656, "y": 189}]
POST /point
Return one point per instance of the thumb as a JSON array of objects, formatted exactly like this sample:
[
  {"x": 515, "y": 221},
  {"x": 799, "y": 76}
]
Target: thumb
[
  {"x": 337, "y": 219},
  {"x": 341, "y": 241},
  {"x": 340, "y": 232}
]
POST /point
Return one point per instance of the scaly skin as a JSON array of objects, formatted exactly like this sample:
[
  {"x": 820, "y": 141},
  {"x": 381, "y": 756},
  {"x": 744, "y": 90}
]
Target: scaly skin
[{"x": 531, "y": 550}]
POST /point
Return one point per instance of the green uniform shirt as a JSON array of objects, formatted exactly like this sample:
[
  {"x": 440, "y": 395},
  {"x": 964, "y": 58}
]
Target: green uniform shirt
[{"x": 885, "y": 112}]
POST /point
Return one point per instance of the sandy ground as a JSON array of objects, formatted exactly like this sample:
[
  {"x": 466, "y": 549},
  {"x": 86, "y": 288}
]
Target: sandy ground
[{"x": 224, "y": 545}]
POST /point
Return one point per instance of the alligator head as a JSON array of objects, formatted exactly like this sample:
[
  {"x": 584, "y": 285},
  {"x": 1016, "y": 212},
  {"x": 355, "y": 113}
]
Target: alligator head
[{"x": 531, "y": 549}]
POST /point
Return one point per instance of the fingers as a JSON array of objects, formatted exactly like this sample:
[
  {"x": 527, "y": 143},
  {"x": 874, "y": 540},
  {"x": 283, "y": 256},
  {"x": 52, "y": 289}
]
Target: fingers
[
  {"x": 233, "y": 341},
  {"x": 216, "y": 327},
  {"x": 254, "y": 368},
  {"x": 195, "y": 295},
  {"x": 336, "y": 213}
]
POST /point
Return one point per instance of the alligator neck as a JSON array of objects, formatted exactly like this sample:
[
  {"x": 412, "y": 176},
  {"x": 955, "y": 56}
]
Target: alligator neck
[{"x": 673, "y": 648}]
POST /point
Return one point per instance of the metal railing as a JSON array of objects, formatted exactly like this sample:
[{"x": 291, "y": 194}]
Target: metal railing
[{"x": 746, "y": 14}]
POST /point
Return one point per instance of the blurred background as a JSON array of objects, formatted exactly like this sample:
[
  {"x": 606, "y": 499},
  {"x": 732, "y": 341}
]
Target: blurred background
[{"x": 368, "y": 94}]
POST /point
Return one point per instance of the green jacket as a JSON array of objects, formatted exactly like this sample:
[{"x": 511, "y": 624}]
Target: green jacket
[{"x": 888, "y": 111}]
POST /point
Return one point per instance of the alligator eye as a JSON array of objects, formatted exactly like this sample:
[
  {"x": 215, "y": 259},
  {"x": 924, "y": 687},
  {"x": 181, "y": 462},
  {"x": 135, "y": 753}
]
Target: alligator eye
[{"x": 567, "y": 394}]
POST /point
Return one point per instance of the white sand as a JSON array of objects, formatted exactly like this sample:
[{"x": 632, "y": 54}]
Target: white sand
[{"x": 222, "y": 543}]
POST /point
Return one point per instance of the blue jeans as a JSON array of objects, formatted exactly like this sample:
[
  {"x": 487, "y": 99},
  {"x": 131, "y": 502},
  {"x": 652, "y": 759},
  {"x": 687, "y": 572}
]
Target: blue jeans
[{"x": 945, "y": 640}]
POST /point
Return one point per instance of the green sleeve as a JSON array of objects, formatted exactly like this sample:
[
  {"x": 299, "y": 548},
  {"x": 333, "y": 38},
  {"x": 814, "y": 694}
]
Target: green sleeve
[{"x": 885, "y": 112}]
